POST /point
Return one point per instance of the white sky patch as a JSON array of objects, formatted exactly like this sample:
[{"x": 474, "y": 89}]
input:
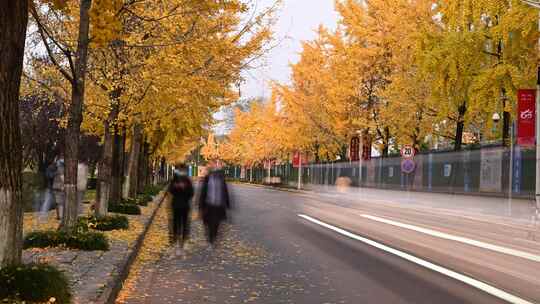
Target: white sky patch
[{"x": 298, "y": 21}]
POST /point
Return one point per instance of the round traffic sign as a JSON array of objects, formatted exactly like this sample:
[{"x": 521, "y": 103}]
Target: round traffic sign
[
  {"x": 408, "y": 151},
  {"x": 408, "y": 166}
]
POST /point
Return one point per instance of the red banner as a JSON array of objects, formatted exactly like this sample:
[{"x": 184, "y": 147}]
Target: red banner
[
  {"x": 366, "y": 148},
  {"x": 354, "y": 149},
  {"x": 526, "y": 118},
  {"x": 296, "y": 159},
  {"x": 268, "y": 164}
]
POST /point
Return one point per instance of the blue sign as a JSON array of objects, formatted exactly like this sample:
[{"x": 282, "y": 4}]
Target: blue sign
[
  {"x": 430, "y": 170},
  {"x": 466, "y": 171},
  {"x": 408, "y": 165},
  {"x": 516, "y": 174}
]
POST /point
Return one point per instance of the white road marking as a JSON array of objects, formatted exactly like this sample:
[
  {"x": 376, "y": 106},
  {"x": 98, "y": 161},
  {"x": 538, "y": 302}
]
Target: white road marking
[
  {"x": 442, "y": 235},
  {"x": 501, "y": 294}
]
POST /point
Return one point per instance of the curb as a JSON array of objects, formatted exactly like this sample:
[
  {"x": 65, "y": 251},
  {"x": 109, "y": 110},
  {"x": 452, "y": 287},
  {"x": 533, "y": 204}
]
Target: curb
[
  {"x": 109, "y": 294},
  {"x": 274, "y": 188}
]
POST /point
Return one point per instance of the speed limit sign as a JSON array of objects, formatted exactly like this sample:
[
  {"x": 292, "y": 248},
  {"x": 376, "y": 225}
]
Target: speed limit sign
[{"x": 408, "y": 151}]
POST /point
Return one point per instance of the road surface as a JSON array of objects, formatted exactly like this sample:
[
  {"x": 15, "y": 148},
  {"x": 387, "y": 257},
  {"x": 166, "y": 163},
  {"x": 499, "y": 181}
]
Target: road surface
[{"x": 287, "y": 247}]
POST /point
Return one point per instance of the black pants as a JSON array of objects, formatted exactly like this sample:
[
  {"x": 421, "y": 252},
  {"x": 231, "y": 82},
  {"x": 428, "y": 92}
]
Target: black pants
[
  {"x": 180, "y": 223},
  {"x": 212, "y": 231},
  {"x": 213, "y": 218}
]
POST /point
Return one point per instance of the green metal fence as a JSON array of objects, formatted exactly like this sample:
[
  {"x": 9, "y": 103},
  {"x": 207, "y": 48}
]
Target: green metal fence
[{"x": 493, "y": 170}]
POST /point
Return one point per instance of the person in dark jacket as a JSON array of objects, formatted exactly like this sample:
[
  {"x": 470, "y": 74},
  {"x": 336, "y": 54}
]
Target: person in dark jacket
[
  {"x": 214, "y": 202},
  {"x": 181, "y": 191}
]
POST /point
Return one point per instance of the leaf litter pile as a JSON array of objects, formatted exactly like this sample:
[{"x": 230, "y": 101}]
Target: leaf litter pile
[{"x": 237, "y": 271}]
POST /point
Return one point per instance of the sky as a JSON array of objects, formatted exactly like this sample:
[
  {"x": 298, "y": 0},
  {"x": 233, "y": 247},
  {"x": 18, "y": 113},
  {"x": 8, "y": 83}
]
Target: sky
[{"x": 298, "y": 21}]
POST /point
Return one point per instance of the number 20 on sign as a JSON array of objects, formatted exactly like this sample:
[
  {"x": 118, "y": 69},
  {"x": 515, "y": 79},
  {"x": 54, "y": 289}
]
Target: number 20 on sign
[{"x": 408, "y": 151}]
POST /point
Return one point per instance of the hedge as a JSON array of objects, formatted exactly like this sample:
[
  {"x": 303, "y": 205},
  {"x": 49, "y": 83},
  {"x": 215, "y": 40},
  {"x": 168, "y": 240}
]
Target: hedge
[
  {"x": 82, "y": 240},
  {"x": 36, "y": 283}
]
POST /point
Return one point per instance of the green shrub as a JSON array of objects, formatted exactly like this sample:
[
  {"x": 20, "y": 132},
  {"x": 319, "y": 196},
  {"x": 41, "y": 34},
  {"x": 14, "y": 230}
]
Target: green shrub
[
  {"x": 89, "y": 196},
  {"x": 34, "y": 283},
  {"x": 130, "y": 201},
  {"x": 132, "y": 209},
  {"x": 83, "y": 240},
  {"x": 152, "y": 190},
  {"x": 106, "y": 223},
  {"x": 144, "y": 199},
  {"x": 134, "y": 201}
]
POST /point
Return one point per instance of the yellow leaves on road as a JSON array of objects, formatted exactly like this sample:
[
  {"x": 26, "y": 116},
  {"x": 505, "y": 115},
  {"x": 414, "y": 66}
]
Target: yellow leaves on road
[{"x": 150, "y": 252}]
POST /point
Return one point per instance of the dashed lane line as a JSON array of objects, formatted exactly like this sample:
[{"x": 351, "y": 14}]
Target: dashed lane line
[
  {"x": 501, "y": 294},
  {"x": 464, "y": 240}
]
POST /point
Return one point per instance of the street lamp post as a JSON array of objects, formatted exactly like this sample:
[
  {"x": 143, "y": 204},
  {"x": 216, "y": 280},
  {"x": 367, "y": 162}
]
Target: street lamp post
[
  {"x": 496, "y": 118},
  {"x": 360, "y": 157}
]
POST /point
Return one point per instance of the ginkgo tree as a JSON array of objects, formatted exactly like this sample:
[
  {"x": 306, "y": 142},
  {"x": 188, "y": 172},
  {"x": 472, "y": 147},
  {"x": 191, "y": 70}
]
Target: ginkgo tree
[
  {"x": 406, "y": 72},
  {"x": 255, "y": 138},
  {"x": 64, "y": 28},
  {"x": 147, "y": 73},
  {"x": 168, "y": 83}
]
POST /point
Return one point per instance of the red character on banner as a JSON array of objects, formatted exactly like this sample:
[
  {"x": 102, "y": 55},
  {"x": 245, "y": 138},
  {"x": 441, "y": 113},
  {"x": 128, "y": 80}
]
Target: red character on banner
[
  {"x": 296, "y": 159},
  {"x": 526, "y": 118}
]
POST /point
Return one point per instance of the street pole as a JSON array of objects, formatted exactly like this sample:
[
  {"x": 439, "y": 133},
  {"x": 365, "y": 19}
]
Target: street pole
[
  {"x": 360, "y": 160},
  {"x": 537, "y": 188},
  {"x": 536, "y": 4},
  {"x": 511, "y": 173},
  {"x": 300, "y": 171}
]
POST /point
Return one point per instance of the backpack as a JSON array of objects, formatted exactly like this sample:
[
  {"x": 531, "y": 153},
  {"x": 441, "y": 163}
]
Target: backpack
[{"x": 214, "y": 191}]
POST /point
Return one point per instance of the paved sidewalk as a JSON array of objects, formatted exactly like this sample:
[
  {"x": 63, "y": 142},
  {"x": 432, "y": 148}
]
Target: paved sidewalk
[{"x": 93, "y": 275}]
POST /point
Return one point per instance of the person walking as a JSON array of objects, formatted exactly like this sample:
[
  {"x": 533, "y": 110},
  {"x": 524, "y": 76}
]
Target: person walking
[
  {"x": 82, "y": 183},
  {"x": 58, "y": 188},
  {"x": 48, "y": 198},
  {"x": 214, "y": 202},
  {"x": 181, "y": 191}
]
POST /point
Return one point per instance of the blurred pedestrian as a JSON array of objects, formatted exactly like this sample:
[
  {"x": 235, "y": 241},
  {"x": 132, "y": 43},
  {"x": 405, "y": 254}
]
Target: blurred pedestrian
[
  {"x": 48, "y": 197},
  {"x": 181, "y": 191},
  {"x": 343, "y": 183},
  {"x": 82, "y": 183},
  {"x": 58, "y": 188},
  {"x": 214, "y": 202}
]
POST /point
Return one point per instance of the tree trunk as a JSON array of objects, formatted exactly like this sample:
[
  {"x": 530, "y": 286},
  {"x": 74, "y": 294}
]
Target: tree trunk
[
  {"x": 132, "y": 176},
  {"x": 316, "y": 149},
  {"x": 343, "y": 153},
  {"x": 117, "y": 170},
  {"x": 506, "y": 121},
  {"x": 106, "y": 162},
  {"x": 162, "y": 170},
  {"x": 69, "y": 219},
  {"x": 143, "y": 167},
  {"x": 104, "y": 173},
  {"x": 460, "y": 126},
  {"x": 386, "y": 142},
  {"x": 13, "y": 21},
  {"x": 42, "y": 173}
]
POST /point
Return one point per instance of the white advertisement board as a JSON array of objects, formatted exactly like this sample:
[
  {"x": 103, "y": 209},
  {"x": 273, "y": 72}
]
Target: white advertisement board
[{"x": 491, "y": 170}]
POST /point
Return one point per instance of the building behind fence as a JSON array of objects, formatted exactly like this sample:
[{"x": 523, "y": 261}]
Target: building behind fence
[{"x": 488, "y": 171}]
